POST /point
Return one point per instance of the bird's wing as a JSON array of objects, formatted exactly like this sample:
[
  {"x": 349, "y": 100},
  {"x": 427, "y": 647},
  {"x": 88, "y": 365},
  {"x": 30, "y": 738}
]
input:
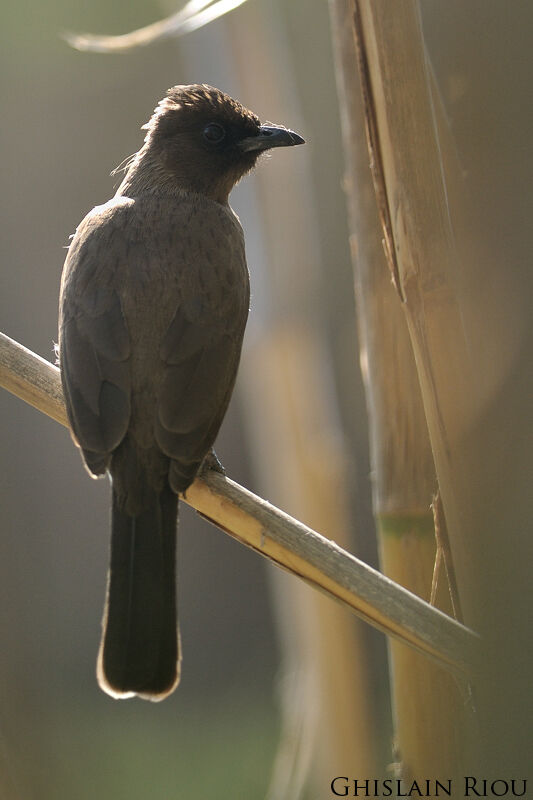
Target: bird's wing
[
  {"x": 201, "y": 351},
  {"x": 93, "y": 340}
]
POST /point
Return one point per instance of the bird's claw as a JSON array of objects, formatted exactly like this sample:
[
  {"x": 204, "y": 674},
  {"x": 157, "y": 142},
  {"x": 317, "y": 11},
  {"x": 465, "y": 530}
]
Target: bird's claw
[{"x": 211, "y": 461}]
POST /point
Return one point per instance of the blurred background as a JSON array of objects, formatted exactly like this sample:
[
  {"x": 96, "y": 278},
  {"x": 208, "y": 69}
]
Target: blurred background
[
  {"x": 280, "y": 689},
  {"x": 69, "y": 118}
]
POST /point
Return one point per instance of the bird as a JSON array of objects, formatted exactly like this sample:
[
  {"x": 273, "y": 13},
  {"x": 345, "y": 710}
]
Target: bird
[{"x": 153, "y": 305}]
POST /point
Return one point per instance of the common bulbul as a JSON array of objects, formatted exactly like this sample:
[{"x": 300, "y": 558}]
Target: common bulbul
[{"x": 153, "y": 306}]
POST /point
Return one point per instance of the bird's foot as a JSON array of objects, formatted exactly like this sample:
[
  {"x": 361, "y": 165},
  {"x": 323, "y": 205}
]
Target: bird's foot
[{"x": 211, "y": 461}]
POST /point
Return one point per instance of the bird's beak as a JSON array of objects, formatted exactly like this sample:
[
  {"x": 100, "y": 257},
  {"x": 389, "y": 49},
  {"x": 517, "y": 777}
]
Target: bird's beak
[{"x": 270, "y": 136}]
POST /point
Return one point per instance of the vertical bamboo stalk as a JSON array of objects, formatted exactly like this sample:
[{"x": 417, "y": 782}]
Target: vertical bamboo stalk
[
  {"x": 328, "y": 720},
  {"x": 428, "y": 709},
  {"x": 327, "y": 710},
  {"x": 423, "y": 248},
  {"x": 477, "y": 418}
]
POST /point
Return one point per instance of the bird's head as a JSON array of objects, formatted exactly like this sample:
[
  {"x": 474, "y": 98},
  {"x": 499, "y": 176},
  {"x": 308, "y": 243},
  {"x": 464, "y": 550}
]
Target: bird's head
[{"x": 200, "y": 139}]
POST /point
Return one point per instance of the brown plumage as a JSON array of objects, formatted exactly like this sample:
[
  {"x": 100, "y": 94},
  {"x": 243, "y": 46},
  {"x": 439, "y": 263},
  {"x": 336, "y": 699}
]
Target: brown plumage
[{"x": 154, "y": 302}]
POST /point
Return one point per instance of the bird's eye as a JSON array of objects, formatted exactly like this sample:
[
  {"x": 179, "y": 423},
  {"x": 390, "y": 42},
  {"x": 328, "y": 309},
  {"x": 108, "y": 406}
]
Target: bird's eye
[{"x": 214, "y": 133}]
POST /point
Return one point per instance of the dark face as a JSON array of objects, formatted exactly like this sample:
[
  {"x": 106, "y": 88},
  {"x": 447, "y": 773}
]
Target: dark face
[
  {"x": 208, "y": 141},
  {"x": 202, "y": 150}
]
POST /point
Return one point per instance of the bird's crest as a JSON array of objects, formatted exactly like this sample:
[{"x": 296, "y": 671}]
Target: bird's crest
[{"x": 200, "y": 100}]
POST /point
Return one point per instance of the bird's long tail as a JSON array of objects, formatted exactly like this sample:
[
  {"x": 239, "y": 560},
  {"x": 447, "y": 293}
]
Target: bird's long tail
[{"x": 140, "y": 650}]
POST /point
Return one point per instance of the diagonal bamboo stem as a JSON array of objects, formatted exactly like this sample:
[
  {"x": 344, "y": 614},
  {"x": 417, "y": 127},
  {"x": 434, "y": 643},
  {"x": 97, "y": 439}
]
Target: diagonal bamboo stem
[{"x": 277, "y": 536}]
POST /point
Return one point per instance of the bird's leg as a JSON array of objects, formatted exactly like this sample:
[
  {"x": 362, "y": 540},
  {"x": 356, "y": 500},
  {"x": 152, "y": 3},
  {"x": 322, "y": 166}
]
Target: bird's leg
[{"x": 211, "y": 461}]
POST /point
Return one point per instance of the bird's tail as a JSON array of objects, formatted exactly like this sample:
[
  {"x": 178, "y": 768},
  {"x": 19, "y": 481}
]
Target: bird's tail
[{"x": 140, "y": 650}]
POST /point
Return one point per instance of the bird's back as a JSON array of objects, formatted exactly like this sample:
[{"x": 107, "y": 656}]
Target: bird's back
[{"x": 175, "y": 269}]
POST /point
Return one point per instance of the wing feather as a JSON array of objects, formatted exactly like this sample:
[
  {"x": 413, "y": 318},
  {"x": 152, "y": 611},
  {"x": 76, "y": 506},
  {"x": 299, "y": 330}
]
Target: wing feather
[{"x": 94, "y": 343}]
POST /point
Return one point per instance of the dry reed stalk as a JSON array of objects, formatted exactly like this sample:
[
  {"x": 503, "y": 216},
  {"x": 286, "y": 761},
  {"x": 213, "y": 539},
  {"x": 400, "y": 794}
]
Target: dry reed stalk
[{"x": 429, "y": 713}]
